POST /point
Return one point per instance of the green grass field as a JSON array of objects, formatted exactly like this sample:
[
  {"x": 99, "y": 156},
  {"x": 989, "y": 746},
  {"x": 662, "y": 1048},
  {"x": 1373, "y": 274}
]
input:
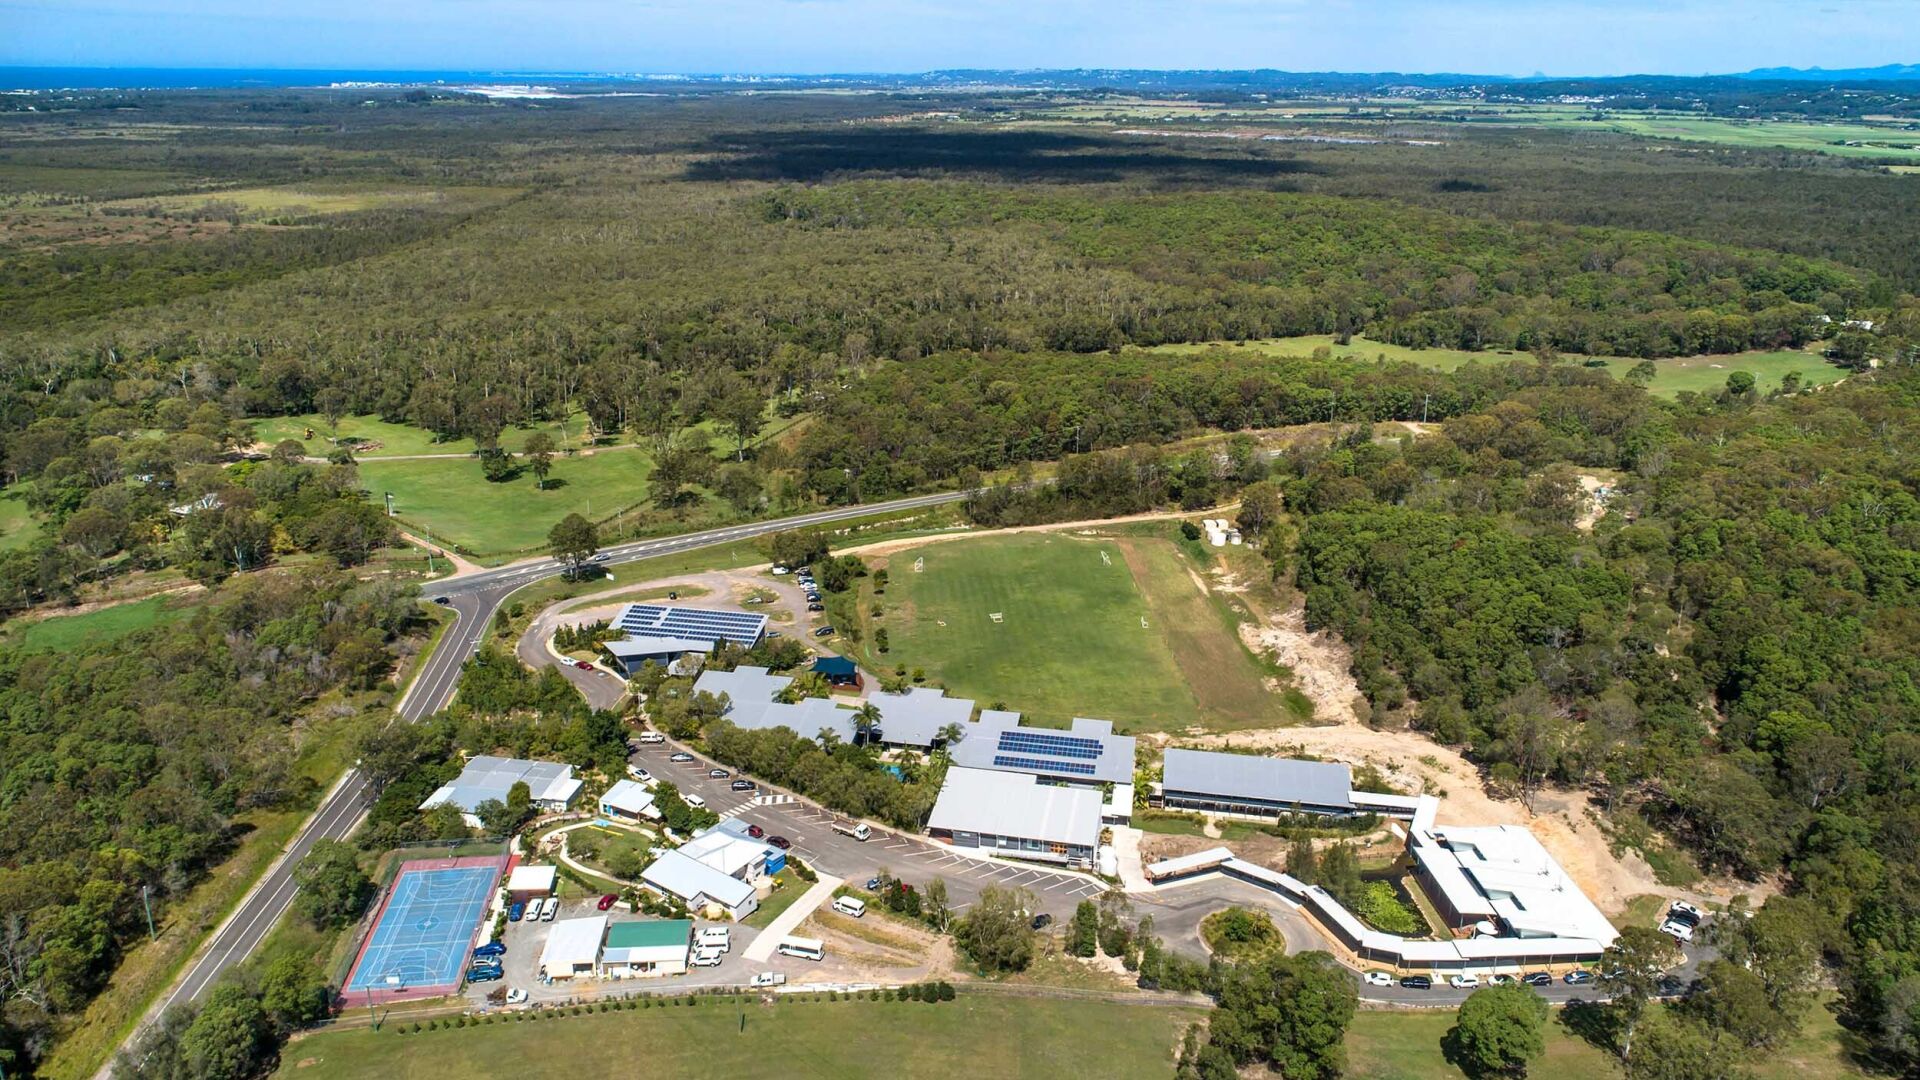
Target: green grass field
[
  {"x": 972, "y": 1036},
  {"x": 402, "y": 439},
  {"x": 1698, "y": 373},
  {"x": 18, "y": 526},
  {"x": 454, "y": 500},
  {"x": 1128, "y": 637},
  {"x": 1869, "y": 140},
  {"x": 64, "y": 632},
  {"x": 1406, "y": 1046}
]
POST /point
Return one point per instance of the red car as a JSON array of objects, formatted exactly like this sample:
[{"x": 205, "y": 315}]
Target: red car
[
  {"x": 583, "y": 665},
  {"x": 780, "y": 842},
  {"x": 756, "y": 831},
  {"x": 608, "y": 901}
]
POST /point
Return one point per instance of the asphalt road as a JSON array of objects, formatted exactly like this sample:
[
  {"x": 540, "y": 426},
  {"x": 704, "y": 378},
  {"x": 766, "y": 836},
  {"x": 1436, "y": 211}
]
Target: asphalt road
[{"x": 472, "y": 600}]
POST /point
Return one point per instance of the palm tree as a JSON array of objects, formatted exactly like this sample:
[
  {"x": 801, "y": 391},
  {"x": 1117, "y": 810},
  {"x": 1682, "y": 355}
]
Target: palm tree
[
  {"x": 829, "y": 739},
  {"x": 948, "y": 735},
  {"x": 865, "y": 719}
]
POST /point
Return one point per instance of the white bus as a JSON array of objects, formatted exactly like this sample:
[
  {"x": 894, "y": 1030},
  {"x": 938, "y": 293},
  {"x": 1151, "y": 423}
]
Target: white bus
[{"x": 804, "y": 948}]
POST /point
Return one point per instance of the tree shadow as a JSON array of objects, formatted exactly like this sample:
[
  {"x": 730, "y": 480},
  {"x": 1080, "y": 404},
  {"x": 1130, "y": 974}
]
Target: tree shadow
[
  {"x": 554, "y": 483},
  {"x": 1590, "y": 1021},
  {"x": 814, "y": 155}
]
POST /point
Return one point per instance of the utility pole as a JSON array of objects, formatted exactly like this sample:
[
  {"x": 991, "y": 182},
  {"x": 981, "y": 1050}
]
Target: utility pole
[
  {"x": 148, "y": 904},
  {"x": 389, "y": 504},
  {"x": 429, "y": 535},
  {"x": 1423, "y": 407}
]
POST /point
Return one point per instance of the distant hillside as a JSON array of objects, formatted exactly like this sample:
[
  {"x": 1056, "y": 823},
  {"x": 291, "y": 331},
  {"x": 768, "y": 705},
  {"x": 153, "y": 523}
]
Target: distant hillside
[{"x": 1883, "y": 73}]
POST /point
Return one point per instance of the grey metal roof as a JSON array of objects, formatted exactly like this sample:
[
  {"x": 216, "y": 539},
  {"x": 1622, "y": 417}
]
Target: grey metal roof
[
  {"x": 916, "y": 717},
  {"x": 744, "y": 684},
  {"x": 487, "y": 777},
  {"x": 804, "y": 719},
  {"x": 1088, "y": 753},
  {"x": 1016, "y": 805},
  {"x": 1240, "y": 776},
  {"x": 643, "y": 646},
  {"x": 688, "y": 878}
]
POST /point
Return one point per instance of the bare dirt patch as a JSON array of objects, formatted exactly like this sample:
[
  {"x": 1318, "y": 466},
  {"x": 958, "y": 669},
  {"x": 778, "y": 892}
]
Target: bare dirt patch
[{"x": 1321, "y": 663}]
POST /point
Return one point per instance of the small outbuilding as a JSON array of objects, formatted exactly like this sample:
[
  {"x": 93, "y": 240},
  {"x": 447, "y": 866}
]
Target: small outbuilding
[
  {"x": 839, "y": 672},
  {"x": 628, "y": 800},
  {"x": 646, "y": 949},
  {"x": 573, "y": 947},
  {"x": 531, "y": 882}
]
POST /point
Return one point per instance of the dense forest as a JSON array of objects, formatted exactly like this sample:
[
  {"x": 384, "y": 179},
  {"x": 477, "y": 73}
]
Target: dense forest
[
  {"x": 1730, "y": 651},
  {"x": 130, "y": 764}
]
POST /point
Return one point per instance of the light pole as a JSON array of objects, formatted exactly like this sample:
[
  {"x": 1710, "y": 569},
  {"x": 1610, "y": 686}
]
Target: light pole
[{"x": 148, "y": 904}]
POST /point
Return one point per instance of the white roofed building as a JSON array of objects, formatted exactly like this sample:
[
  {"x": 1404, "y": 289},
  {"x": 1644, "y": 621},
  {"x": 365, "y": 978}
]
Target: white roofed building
[
  {"x": 551, "y": 785},
  {"x": 573, "y": 947},
  {"x": 1014, "y": 814}
]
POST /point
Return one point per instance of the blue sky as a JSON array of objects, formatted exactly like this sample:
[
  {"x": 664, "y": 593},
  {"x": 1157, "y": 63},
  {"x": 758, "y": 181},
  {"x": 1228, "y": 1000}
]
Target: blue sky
[{"x": 1481, "y": 36}]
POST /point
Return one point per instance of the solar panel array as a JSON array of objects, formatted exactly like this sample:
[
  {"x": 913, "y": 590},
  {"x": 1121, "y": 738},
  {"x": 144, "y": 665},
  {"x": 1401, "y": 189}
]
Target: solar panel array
[
  {"x": 693, "y": 624},
  {"x": 1075, "y": 768},
  {"x": 1035, "y": 742}
]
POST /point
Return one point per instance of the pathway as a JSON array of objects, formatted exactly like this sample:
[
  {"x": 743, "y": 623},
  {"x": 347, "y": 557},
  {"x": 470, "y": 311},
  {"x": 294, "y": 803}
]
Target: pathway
[{"x": 783, "y": 924}]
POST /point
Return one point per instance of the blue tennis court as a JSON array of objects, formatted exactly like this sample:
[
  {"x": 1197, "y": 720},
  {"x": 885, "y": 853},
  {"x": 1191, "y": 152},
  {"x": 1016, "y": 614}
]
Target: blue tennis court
[{"x": 425, "y": 929}]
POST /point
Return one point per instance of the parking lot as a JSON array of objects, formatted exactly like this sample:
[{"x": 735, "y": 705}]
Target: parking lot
[
  {"x": 910, "y": 858},
  {"x": 526, "y": 939}
]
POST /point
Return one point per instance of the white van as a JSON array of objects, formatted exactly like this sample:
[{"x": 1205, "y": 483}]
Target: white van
[
  {"x": 847, "y": 905},
  {"x": 693, "y": 800},
  {"x": 715, "y": 937},
  {"x": 551, "y": 909},
  {"x": 706, "y": 958},
  {"x": 652, "y": 737}
]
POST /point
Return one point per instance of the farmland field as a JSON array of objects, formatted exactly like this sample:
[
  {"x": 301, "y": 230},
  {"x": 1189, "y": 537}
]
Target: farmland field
[
  {"x": 1674, "y": 374},
  {"x": 1030, "y": 1037},
  {"x": 1128, "y": 637},
  {"x": 453, "y": 499}
]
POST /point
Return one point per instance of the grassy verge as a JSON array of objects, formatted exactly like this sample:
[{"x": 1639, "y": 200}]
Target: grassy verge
[
  {"x": 790, "y": 891},
  {"x": 18, "y": 525},
  {"x": 1029, "y": 1037}
]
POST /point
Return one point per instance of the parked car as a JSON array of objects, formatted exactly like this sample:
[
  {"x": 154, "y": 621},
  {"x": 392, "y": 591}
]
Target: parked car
[
  {"x": 1677, "y": 930},
  {"x": 781, "y": 571},
  {"x": 516, "y": 996},
  {"x": 754, "y": 600},
  {"x": 1464, "y": 982},
  {"x": 1577, "y": 978},
  {"x": 516, "y": 912},
  {"x": 718, "y": 774},
  {"x": 1042, "y": 921},
  {"x": 609, "y": 900},
  {"x": 480, "y": 973},
  {"x": 756, "y": 831},
  {"x": 767, "y": 979},
  {"x": 873, "y": 884},
  {"x": 652, "y": 737},
  {"x": 551, "y": 909},
  {"x": 583, "y": 665},
  {"x": 1538, "y": 978},
  {"x": 693, "y": 800},
  {"x": 706, "y": 958},
  {"x": 1501, "y": 980},
  {"x": 825, "y": 631},
  {"x": 1417, "y": 982},
  {"x": 680, "y": 756},
  {"x": 1681, "y": 911},
  {"x": 715, "y": 937},
  {"x": 816, "y": 607},
  {"x": 743, "y": 785},
  {"x": 640, "y": 774},
  {"x": 491, "y": 948},
  {"x": 780, "y": 842},
  {"x": 1379, "y": 978},
  {"x": 444, "y": 601}
]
